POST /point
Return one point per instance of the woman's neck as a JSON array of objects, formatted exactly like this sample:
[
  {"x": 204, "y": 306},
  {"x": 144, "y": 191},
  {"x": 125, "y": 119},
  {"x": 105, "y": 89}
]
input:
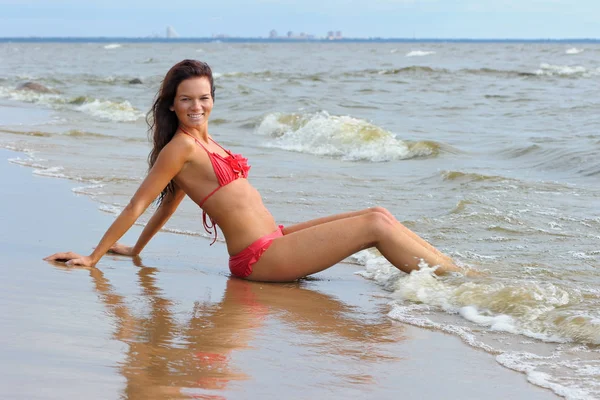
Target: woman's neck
[{"x": 200, "y": 133}]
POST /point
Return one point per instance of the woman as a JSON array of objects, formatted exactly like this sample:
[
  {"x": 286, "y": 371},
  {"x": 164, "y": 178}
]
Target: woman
[{"x": 185, "y": 160}]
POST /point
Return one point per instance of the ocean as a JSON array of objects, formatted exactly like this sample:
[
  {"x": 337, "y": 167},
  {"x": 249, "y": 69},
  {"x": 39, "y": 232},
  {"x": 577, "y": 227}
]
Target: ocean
[{"x": 488, "y": 150}]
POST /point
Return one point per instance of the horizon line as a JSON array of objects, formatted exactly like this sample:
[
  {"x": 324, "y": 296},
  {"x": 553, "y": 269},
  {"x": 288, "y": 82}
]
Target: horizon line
[{"x": 286, "y": 39}]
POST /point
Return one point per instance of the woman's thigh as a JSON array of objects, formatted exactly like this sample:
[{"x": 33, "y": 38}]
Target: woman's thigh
[
  {"x": 313, "y": 249},
  {"x": 318, "y": 221}
]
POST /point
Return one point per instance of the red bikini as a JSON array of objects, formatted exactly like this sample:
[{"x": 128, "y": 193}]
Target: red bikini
[{"x": 228, "y": 169}]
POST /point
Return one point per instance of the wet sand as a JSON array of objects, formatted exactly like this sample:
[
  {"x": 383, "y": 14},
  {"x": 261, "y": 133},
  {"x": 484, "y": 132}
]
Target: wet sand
[{"x": 174, "y": 324}]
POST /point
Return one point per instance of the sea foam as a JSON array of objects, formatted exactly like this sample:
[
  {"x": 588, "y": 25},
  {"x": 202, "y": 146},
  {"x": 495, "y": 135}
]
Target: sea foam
[
  {"x": 117, "y": 111},
  {"x": 574, "y": 50},
  {"x": 539, "y": 310},
  {"x": 566, "y": 70},
  {"x": 338, "y": 136},
  {"x": 110, "y": 110},
  {"x": 419, "y": 53}
]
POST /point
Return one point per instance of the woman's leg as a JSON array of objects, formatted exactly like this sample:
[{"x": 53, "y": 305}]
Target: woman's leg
[
  {"x": 412, "y": 234},
  {"x": 313, "y": 249},
  {"x": 381, "y": 210}
]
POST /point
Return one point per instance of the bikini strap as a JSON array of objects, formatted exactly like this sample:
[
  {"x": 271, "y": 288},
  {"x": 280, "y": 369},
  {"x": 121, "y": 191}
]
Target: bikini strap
[
  {"x": 224, "y": 149},
  {"x": 210, "y": 194},
  {"x": 197, "y": 141},
  {"x": 208, "y": 227}
]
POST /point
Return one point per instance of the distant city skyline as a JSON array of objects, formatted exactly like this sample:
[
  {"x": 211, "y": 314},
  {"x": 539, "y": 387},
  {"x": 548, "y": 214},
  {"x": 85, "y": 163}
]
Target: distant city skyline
[{"x": 476, "y": 19}]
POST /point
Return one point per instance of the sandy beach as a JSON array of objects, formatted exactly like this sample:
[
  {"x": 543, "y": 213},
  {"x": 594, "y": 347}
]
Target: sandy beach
[{"x": 174, "y": 324}]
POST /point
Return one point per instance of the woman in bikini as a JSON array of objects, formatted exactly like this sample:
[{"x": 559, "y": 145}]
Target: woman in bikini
[{"x": 186, "y": 160}]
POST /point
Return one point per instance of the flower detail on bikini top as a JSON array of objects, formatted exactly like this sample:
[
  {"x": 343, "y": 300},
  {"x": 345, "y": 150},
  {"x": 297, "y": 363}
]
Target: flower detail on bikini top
[{"x": 239, "y": 164}]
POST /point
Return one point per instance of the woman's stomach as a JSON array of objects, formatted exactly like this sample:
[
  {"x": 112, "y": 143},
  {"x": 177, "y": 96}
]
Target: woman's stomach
[{"x": 239, "y": 211}]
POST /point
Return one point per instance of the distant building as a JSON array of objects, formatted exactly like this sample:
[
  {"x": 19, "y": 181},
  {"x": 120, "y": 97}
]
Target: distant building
[
  {"x": 331, "y": 35},
  {"x": 171, "y": 33},
  {"x": 291, "y": 35}
]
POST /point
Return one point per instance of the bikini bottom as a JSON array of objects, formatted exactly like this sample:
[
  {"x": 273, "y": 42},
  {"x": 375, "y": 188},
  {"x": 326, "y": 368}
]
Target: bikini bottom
[{"x": 241, "y": 264}]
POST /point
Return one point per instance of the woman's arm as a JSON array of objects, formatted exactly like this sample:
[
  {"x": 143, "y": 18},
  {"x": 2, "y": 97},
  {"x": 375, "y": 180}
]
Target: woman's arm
[
  {"x": 168, "y": 164},
  {"x": 158, "y": 220}
]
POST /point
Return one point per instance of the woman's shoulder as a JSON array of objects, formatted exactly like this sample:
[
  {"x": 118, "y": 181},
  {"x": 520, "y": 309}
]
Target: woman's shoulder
[
  {"x": 177, "y": 151},
  {"x": 180, "y": 143}
]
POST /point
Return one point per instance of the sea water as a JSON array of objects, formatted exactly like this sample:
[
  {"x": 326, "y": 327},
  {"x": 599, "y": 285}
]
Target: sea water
[{"x": 488, "y": 150}]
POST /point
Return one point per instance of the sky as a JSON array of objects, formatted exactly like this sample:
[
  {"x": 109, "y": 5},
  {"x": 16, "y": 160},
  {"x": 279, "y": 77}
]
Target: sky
[{"x": 477, "y": 19}]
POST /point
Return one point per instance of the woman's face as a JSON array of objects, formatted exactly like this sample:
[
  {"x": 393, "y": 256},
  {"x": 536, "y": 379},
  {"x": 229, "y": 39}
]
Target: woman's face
[{"x": 193, "y": 102}]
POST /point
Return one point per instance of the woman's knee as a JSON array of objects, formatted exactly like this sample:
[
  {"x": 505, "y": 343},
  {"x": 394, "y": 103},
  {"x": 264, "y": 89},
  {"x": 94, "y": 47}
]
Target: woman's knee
[
  {"x": 383, "y": 211},
  {"x": 379, "y": 224}
]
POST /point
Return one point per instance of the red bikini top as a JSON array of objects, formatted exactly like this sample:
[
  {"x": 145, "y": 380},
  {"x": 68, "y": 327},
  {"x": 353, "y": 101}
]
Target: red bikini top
[{"x": 227, "y": 169}]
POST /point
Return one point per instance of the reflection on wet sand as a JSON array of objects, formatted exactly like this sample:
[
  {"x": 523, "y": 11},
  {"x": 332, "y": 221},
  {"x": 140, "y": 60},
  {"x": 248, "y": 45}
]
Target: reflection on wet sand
[{"x": 170, "y": 356}]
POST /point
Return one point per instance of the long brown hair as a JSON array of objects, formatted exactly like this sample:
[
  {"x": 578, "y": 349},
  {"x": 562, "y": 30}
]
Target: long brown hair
[{"x": 162, "y": 122}]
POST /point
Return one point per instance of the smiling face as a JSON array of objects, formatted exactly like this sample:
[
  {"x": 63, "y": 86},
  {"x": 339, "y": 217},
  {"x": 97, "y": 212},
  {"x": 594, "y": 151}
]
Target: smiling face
[{"x": 193, "y": 103}]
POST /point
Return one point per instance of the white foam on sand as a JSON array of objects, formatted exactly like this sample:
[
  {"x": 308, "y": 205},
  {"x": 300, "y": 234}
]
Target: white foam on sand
[
  {"x": 530, "y": 364},
  {"x": 482, "y": 311},
  {"x": 110, "y": 209},
  {"x": 88, "y": 189}
]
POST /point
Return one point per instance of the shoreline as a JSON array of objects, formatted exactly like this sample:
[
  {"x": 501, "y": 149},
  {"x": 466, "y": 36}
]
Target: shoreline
[{"x": 176, "y": 325}]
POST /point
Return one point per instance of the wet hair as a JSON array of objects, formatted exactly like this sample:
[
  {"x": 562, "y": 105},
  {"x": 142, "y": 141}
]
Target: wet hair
[{"x": 162, "y": 122}]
